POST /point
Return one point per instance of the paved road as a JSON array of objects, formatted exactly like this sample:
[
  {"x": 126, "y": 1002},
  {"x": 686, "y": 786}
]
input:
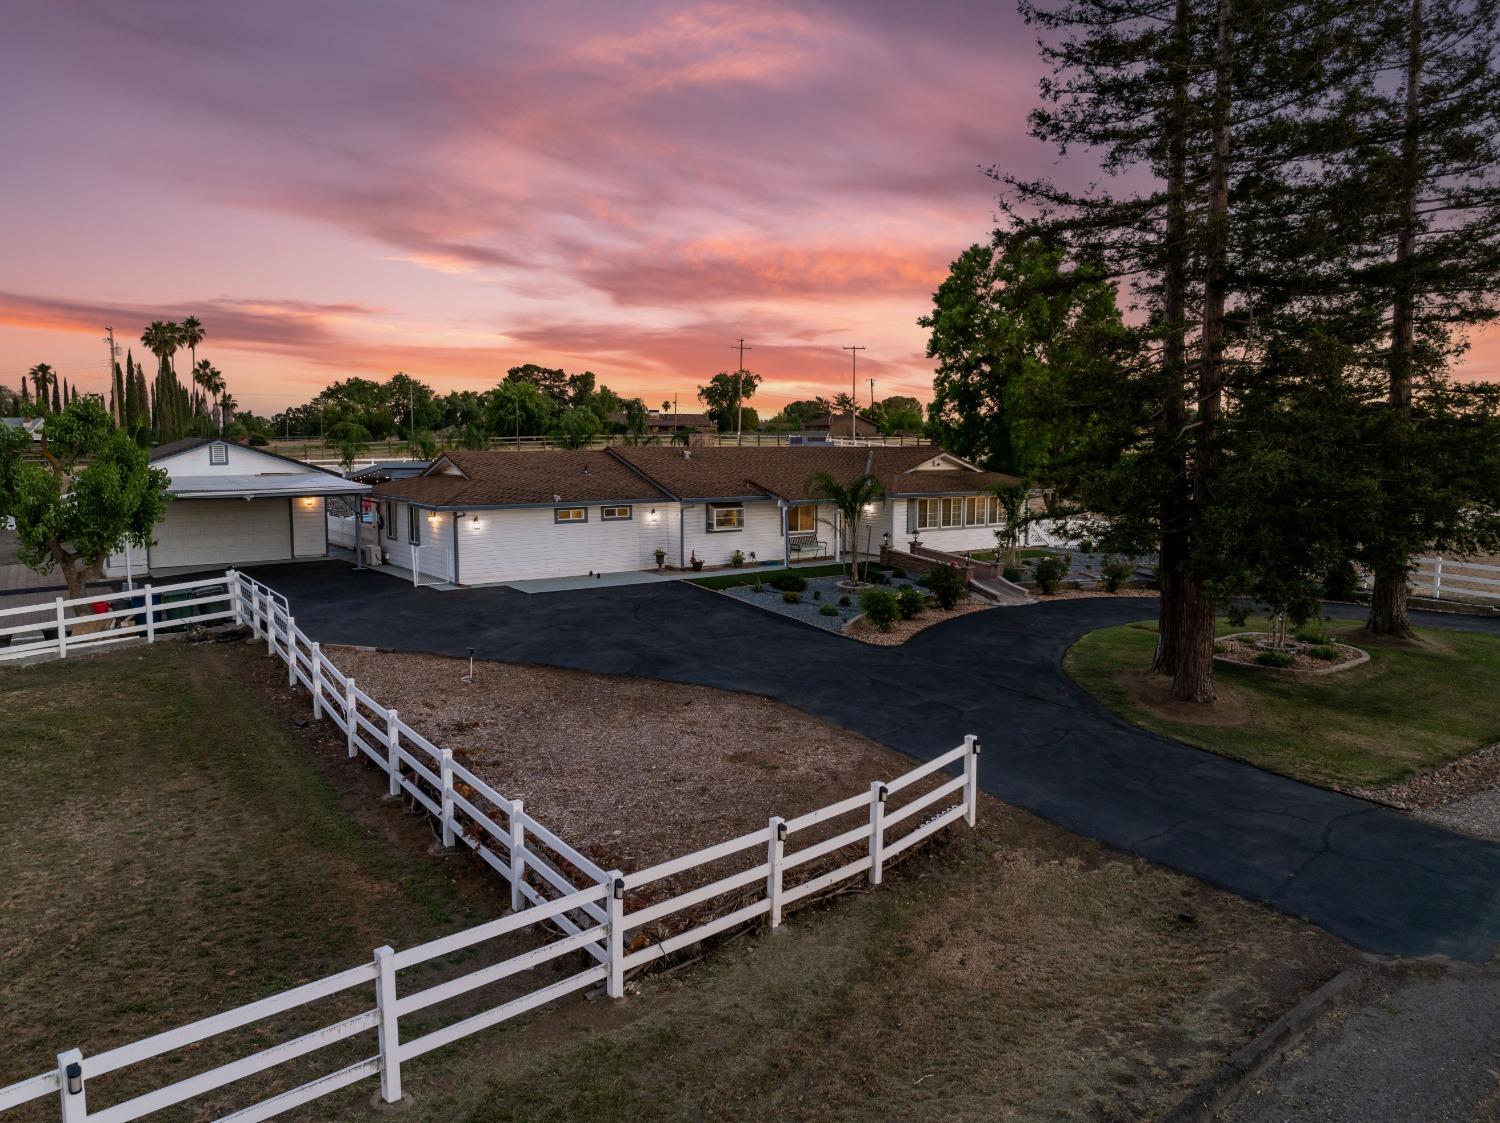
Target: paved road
[{"x": 1380, "y": 880}]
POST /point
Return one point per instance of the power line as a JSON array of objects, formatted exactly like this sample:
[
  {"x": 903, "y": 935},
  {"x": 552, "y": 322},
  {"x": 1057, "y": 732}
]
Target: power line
[{"x": 854, "y": 387}]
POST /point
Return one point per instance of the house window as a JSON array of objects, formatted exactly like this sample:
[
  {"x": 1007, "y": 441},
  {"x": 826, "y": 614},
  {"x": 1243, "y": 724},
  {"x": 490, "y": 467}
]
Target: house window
[
  {"x": 218, "y": 453},
  {"x": 570, "y": 514},
  {"x": 995, "y": 509},
  {"x": 413, "y": 526},
  {"x": 975, "y": 507},
  {"x": 801, "y": 520},
  {"x": 614, "y": 514},
  {"x": 927, "y": 514},
  {"x": 726, "y": 516},
  {"x": 388, "y": 517},
  {"x": 953, "y": 511}
]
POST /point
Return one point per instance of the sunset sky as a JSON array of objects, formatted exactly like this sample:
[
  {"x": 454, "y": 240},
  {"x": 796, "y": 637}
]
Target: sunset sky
[{"x": 342, "y": 188}]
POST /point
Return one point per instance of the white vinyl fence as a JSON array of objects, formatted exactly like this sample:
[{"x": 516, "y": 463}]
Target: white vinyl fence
[
  {"x": 1449, "y": 579},
  {"x": 609, "y": 916},
  {"x": 63, "y": 626}
]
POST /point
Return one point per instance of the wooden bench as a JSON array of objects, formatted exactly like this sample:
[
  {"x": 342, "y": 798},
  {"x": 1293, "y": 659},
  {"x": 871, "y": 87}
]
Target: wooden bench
[{"x": 800, "y": 544}]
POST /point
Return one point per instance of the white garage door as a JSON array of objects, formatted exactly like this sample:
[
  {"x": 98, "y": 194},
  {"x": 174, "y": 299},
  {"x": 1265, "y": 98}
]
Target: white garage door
[{"x": 210, "y": 532}]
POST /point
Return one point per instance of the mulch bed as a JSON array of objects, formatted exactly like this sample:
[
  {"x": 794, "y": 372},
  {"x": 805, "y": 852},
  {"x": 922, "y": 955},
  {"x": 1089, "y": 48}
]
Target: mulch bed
[
  {"x": 1242, "y": 650},
  {"x": 1456, "y": 780},
  {"x": 903, "y": 630}
]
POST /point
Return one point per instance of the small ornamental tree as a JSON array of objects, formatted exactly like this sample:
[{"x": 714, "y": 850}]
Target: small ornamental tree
[
  {"x": 850, "y": 500},
  {"x": 93, "y": 491}
]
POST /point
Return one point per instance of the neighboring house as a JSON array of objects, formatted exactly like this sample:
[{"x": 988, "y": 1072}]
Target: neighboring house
[
  {"x": 667, "y": 424},
  {"x": 32, "y": 425},
  {"x": 508, "y": 516},
  {"x": 236, "y": 505},
  {"x": 838, "y": 425}
]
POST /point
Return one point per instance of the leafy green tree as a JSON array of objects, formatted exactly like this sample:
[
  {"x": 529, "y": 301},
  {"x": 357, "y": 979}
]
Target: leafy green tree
[
  {"x": 551, "y": 381},
  {"x": 577, "y": 427},
  {"x": 517, "y": 407},
  {"x": 795, "y": 416},
  {"x": 1014, "y": 515},
  {"x": 725, "y": 393},
  {"x": 424, "y": 445},
  {"x": 93, "y": 491},
  {"x": 850, "y": 500},
  {"x": 898, "y": 414},
  {"x": 474, "y": 436},
  {"x": 351, "y": 440}
]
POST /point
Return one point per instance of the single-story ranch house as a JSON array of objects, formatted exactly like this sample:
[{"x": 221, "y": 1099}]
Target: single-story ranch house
[
  {"x": 234, "y": 505},
  {"x": 509, "y": 516}
]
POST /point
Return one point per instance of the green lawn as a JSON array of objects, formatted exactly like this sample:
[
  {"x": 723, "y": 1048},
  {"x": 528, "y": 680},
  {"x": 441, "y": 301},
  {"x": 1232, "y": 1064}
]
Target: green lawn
[
  {"x": 176, "y": 846},
  {"x": 751, "y": 573},
  {"x": 1412, "y": 707}
]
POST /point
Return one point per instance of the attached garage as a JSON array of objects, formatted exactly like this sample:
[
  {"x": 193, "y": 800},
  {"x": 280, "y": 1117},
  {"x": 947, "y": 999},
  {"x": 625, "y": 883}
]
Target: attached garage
[{"x": 206, "y": 533}]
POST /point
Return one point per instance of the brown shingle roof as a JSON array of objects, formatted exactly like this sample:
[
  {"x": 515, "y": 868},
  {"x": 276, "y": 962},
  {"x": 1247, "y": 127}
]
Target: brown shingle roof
[
  {"x": 500, "y": 478},
  {"x": 642, "y": 473},
  {"x": 838, "y": 423}
]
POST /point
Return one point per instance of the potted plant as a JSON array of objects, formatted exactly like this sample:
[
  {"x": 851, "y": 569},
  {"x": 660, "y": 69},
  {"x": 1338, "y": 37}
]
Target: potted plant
[
  {"x": 696, "y": 562},
  {"x": 661, "y": 557},
  {"x": 737, "y": 559}
]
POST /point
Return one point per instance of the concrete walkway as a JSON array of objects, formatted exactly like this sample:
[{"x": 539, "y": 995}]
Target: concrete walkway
[{"x": 1379, "y": 879}]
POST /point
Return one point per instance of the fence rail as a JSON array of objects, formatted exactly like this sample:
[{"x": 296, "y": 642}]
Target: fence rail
[{"x": 551, "y": 882}]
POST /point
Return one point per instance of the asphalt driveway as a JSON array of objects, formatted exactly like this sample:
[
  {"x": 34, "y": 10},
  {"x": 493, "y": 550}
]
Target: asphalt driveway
[{"x": 1379, "y": 879}]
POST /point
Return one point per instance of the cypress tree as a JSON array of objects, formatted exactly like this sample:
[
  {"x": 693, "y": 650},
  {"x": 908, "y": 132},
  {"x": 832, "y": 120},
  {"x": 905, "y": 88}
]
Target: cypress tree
[{"x": 56, "y": 397}]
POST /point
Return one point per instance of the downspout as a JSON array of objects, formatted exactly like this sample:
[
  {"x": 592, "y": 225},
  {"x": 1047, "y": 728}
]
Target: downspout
[
  {"x": 453, "y": 518},
  {"x": 786, "y": 545},
  {"x": 682, "y": 510}
]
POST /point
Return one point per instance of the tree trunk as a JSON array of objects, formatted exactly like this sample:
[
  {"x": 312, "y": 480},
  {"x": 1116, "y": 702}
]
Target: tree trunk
[
  {"x": 1388, "y": 601},
  {"x": 1192, "y": 680},
  {"x": 1388, "y": 615},
  {"x": 1172, "y": 553}
]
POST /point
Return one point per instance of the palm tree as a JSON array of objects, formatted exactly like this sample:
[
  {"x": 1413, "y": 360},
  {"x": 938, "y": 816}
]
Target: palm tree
[
  {"x": 42, "y": 376},
  {"x": 227, "y": 406},
  {"x": 190, "y": 333},
  {"x": 210, "y": 381},
  {"x": 161, "y": 339},
  {"x": 851, "y": 501}
]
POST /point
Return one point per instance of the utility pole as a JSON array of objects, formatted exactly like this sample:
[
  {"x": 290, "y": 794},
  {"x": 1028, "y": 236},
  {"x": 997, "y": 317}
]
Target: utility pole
[
  {"x": 739, "y": 390},
  {"x": 854, "y": 387}
]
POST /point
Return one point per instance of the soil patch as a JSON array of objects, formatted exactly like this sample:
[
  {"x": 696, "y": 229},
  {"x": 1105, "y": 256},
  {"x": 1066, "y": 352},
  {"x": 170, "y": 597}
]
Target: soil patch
[
  {"x": 1243, "y": 650},
  {"x": 1154, "y": 691}
]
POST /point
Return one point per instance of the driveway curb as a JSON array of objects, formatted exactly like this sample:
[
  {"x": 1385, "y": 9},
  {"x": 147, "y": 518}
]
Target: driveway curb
[{"x": 1205, "y": 1102}]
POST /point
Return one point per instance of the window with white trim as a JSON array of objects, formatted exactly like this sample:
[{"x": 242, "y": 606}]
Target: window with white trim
[
  {"x": 570, "y": 514},
  {"x": 801, "y": 520},
  {"x": 413, "y": 526},
  {"x": 927, "y": 514},
  {"x": 615, "y": 514},
  {"x": 995, "y": 510},
  {"x": 726, "y": 516},
  {"x": 388, "y": 517},
  {"x": 953, "y": 511},
  {"x": 975, "y": 507}
]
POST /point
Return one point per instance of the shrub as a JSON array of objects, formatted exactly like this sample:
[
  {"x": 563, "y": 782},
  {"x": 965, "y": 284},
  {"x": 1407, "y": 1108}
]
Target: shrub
[
  {"x": 947, "y": 585},
  {"x": 1013, "y": 573},
  {"x": 925, "y": 580},
  {"x": 757, "y": 585},
  {"x": 817, "y": 594},
  {"x": 787, "y": 582},
  {"x": 844, "y": 600},
  {"x": 828, "y": 610},
  {"x": 737, "y": 558},
  {"x": 1219, "y": 648},
  {"x": 1275, "y": 659},
  {"x": 1324, "y": 651},
  {"x": 1314, "y": 632},
  {"x": 910, "y": 603},
  {"x": 899, "y": 572},
  {"x": 1049, "y": 572},
  {"x": 880, "y": 607},
  {"x": 1086, "y": 546},
  {"x": 1115, "y": 573},
  {"x": 791, "y": 596}
]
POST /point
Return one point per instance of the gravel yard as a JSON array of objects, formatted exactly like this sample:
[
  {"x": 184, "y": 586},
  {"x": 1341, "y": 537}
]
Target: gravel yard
[{"x": 631, "y": 771}]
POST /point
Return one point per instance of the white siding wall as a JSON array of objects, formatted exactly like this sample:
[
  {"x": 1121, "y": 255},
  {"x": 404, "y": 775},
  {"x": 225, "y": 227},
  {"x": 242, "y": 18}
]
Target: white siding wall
[
  {"x": 242, "y": 461},
  {"x": 761, "y": 536},
  {"x": 954, "y": 539},
  {"x": 519, "y": 544},
  {"x": 309, "y": 528},
  {"x": 436, "y": 530}
]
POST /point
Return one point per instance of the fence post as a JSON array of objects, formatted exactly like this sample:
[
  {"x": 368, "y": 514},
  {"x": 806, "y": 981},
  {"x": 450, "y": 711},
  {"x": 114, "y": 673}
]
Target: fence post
[
  {"x": 445, "y": 774},
  {"x": 270, "y": 614},
  {"x": 392, "y": 756},
  {"x": 774, "y": 857},
  {"x": 232, "y": 579},
  {"x": 878, "y": 792},
  {"x": 317, "y": 682},
  {"x": 517, "y": 853},
  {"x": 1437, "y": 577},
  {"x": 614, "y": 984},
  {"x": 971, "y": 779},
  {"x": 350, "y": 704},
  {"x": 291, "y": 651},
  {"x": 150, "y": 616},
  {"x": 62, "y": 630},
  {"x": 390, "y": 1034},
  {"x": 70, "y": 1090},
  {"x": 254, "y": 613}
]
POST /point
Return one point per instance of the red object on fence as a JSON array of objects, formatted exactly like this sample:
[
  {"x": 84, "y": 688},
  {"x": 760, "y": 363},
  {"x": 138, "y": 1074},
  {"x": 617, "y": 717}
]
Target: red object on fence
[{"x": 99, "y": 607}]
